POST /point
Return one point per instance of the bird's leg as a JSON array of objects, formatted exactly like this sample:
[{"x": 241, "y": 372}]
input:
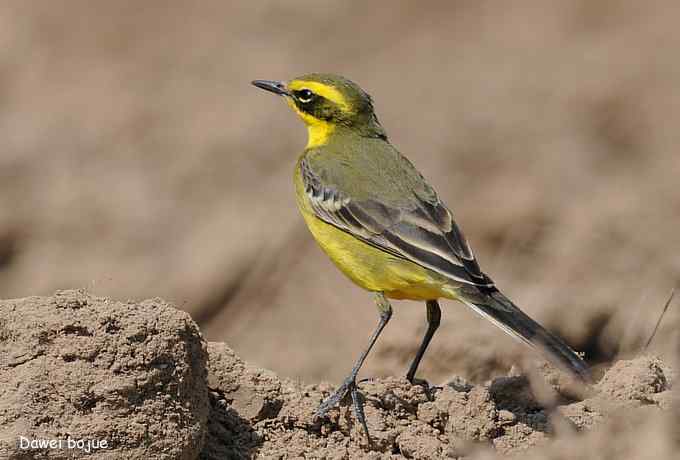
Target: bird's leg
[
  {"x": 434, "y": 315},
  {"x": 349, "y": 384}
]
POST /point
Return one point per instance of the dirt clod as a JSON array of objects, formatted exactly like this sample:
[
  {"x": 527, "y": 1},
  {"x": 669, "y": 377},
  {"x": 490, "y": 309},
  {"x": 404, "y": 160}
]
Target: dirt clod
[
  {"x": 639, "y": 379},
  {"x": 75, "y": 366}
]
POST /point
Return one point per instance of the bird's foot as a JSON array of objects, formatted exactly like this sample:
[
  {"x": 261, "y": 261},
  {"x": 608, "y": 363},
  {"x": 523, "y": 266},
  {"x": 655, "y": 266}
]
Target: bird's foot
[
  {"x": 348, "y": 386},
  {"x": 430, "y": 390}
]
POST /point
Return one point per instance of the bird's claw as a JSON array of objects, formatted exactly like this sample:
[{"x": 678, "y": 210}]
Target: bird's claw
[
  {"x": 335, "y": 398},
  {"x": 348, "y": 386},
  {"x": 359, "y": 411},
  {"x": 430, "y": 390}
]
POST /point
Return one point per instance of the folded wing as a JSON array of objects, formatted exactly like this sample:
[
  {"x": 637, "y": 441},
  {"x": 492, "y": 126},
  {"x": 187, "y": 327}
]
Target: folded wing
[{"x": 420, "y": 230}]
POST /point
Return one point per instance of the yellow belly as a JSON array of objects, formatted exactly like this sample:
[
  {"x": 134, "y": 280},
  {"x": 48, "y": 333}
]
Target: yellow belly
[{"x": 368, "y": 266}]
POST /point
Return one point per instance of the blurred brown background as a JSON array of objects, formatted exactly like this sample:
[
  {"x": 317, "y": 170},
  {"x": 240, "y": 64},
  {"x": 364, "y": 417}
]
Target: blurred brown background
[{"x": 137, "y": 161}]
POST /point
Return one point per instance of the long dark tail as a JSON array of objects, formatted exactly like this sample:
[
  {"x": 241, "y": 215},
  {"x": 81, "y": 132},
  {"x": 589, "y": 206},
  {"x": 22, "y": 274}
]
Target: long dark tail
[{"x": 506, "y": 315}]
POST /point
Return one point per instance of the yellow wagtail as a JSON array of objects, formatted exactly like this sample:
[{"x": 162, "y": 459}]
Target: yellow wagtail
[{"x": 384, "y": 226}]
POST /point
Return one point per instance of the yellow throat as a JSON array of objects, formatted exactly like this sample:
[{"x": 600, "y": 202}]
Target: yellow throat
[{"x": 318, "y": 130}]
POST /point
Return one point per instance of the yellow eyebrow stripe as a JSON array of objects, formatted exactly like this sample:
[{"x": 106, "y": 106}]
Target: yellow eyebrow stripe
[{"x": 323, "y": 90}]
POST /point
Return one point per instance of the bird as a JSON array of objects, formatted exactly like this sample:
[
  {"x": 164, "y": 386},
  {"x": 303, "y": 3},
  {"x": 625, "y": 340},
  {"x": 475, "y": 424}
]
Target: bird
[{"x": 385, "y": 227}]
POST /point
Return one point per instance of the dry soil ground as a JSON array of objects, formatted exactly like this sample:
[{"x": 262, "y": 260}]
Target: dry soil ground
[{"x": 140, "y": 377}]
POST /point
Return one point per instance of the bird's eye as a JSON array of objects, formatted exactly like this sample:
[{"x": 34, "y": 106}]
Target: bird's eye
[{"x": 305, "y": 95}]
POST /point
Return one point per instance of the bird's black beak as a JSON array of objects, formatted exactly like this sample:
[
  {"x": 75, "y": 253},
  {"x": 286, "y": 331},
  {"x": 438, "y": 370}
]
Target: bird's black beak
[{"x": 276, "y": 87}]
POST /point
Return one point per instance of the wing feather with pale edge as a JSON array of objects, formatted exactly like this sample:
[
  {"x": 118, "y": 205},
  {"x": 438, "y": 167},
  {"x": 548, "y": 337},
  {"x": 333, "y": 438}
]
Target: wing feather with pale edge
[{"x": 424, "y": 232}]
